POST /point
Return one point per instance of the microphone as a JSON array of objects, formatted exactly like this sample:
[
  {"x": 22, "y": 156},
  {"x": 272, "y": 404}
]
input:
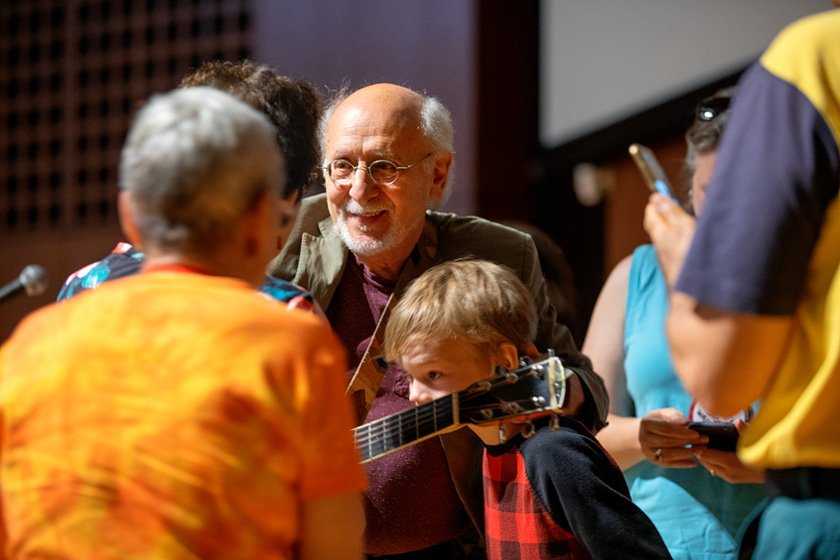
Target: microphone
[{"x": 32, "y": 279}]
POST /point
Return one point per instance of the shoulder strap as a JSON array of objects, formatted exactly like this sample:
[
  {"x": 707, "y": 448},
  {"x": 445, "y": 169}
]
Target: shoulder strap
[{"x": 371, "y": 370}]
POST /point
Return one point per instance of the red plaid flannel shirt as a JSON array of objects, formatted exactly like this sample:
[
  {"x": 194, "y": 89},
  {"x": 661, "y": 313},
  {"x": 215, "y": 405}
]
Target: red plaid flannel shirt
[{"x": 518, "y": 525}]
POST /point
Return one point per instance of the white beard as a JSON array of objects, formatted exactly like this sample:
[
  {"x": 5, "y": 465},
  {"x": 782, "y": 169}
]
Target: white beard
[{"x": 365, "y": 246}]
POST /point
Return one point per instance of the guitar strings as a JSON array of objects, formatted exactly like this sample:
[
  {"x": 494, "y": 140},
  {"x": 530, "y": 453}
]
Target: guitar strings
[
  {"x": 382, "y": 433},
  {"x": 424, "y": 416},
  {"x": 422, "y": 421},
  {"x": 426, "y": 411}
]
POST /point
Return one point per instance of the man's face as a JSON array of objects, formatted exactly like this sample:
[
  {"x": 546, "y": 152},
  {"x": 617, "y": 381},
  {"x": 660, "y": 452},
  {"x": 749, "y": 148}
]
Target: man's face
[
  {"x": 440, "y": 367},
  {"x": 374, "y": 220}
]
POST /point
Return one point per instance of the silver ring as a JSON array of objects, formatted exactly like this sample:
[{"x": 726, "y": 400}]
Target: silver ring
[{"x": 657, "y": 454}]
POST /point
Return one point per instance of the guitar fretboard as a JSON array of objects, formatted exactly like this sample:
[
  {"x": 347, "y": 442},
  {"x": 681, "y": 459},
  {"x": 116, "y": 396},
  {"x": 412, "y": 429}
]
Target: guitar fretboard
[
  {"x": 383, "y": 436},
  {"x": 533, "y": 389}
]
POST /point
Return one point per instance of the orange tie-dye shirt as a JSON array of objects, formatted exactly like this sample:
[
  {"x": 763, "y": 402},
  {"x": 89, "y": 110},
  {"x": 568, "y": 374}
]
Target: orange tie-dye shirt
[{"x": 169, "y": 415}]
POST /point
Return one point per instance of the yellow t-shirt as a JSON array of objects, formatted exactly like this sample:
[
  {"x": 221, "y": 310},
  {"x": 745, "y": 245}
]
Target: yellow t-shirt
[
  {"x": 796, "y": 425},
  {"x": 768, "y": 241},
  {"x": 170, "y": 415}
]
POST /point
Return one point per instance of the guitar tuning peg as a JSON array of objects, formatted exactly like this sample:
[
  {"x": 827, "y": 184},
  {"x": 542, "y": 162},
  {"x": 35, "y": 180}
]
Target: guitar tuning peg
[
  {"x": 510, "y": 407},
  {"x": 498, "y": 370},
  {"x": 529, "y": 430},
  {"x": 551, "y": 353},
  {"x": 554, "y": 422}
]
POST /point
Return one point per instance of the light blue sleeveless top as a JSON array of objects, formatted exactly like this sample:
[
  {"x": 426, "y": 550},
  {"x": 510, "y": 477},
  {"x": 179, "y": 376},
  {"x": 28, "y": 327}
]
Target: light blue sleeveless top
[{"x": 697, "y": 515}]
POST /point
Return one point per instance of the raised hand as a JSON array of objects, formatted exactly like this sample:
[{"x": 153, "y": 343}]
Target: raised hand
[{"x": 671, "y": 230}]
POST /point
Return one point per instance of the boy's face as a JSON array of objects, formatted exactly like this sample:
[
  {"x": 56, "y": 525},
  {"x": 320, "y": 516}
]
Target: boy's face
[{"x": 440, "y": 367}]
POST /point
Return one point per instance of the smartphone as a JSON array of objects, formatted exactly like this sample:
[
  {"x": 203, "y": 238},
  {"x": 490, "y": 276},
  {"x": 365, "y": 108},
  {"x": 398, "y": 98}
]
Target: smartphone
[
  {"x": 652, "y": 172},
  {"x": 722, "y": 435}
]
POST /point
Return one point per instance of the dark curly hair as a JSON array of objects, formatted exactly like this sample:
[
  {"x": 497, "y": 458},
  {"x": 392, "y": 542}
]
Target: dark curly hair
[
  {"x": 291, "y": 104},
  {"x": 704, "y": 134}
]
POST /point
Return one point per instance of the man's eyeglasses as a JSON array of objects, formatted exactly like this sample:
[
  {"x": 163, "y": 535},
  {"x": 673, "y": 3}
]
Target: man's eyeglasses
[
  {"x": 382, "y": 171},
  {"x": 712, "y": 106}
]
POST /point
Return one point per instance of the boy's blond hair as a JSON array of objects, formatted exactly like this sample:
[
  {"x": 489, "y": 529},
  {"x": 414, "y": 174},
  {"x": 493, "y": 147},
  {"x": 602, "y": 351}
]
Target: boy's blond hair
[{"x": 474, "y": 301}]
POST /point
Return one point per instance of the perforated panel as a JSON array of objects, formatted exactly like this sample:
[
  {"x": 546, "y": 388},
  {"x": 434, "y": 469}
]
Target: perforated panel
[{"x": 74, "y": 72}]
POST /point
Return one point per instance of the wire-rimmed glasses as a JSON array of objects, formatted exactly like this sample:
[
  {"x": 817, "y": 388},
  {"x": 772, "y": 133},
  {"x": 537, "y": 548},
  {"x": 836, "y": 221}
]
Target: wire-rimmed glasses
[{"x": 381, "y": 171}]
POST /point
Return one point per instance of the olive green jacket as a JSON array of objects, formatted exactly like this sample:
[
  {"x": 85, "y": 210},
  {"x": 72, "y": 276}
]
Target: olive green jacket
[{"x": 314, "y": 257}]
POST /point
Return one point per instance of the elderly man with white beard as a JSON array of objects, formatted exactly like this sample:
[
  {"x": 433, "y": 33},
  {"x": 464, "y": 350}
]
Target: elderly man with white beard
[{"x": 388, "y": 163}]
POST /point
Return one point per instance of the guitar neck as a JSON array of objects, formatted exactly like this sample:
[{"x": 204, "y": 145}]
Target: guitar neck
[
  {"x": 532, "y": 390},
  {"x": 388, "y": 434}
]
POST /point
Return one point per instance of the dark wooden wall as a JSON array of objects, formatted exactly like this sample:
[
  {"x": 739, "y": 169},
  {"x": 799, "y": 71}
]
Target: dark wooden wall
[
  {"x": 72, "y": 74},
  {"x": 74, "y": 71}
]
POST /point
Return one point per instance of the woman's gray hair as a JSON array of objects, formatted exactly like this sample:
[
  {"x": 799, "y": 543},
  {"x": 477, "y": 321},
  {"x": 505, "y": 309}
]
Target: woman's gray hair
[
  {"x": 704, "y": 135},
  {"x": 435, "y": 123},
  {"x": 188, "y": 165}
]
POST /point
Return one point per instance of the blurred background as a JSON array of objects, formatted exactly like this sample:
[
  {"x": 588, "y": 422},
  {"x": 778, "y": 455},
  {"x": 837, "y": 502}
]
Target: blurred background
[{"x": 546, "y": 95}]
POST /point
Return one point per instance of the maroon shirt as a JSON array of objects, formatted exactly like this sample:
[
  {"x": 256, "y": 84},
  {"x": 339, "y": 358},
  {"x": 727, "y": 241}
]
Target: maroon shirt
[{"x": 412, "y": 503}]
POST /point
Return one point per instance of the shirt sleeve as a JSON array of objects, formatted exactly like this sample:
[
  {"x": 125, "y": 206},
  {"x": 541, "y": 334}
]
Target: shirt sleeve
[
  {"x": 556, "y": 336},
  {"x": 124, "y": 260},
  {"x": 583, "y": 489},
  {"x": 775, "y": 178}
]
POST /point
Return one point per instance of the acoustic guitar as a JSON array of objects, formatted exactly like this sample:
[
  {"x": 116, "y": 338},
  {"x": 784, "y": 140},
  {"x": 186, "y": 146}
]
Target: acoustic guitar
[{"x": 533, "y": 390}]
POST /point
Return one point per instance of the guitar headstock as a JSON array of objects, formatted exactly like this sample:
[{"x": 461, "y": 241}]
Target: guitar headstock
[{"x": 534, "y": 389}]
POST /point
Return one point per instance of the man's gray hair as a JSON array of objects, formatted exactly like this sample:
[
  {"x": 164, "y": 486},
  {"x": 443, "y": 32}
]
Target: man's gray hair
[
  {"x": 188, "y": 165},
  {"x": 435, "y": 123}
]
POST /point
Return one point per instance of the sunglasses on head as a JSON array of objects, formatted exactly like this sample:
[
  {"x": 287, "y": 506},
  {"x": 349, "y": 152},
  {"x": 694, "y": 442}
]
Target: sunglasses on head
[{"x": 712, "y": 106}]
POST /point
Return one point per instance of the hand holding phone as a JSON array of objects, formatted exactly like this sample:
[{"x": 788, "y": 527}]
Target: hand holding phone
[
  {"x": 651, "y": 170},
  {"x": 722, "y": 435}
]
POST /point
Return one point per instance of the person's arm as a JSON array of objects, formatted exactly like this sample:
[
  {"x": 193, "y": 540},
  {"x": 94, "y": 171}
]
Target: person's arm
[
  {"x": 332, "y": 527},
  {"x": 737, "y": 358},
  {"x": 587, "y": 400},
  {"x": 627, "y": 438},
  {"x": 581, "y": 488},
  {"x": 604, "y": 344},
  {"x": 730, "y": 369}
]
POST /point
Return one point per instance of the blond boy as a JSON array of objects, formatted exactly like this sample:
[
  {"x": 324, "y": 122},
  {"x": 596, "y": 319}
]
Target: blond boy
[{"x": 552, "y": 494}]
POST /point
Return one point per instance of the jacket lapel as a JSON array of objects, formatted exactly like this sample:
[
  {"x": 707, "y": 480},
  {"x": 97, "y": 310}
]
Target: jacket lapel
[{"x": 321, "y": 263}]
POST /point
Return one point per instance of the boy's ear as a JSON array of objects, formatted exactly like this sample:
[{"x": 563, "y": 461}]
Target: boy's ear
[
  {"x": 507, "y": 355},
  {"x": 532, "y": 352}
]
